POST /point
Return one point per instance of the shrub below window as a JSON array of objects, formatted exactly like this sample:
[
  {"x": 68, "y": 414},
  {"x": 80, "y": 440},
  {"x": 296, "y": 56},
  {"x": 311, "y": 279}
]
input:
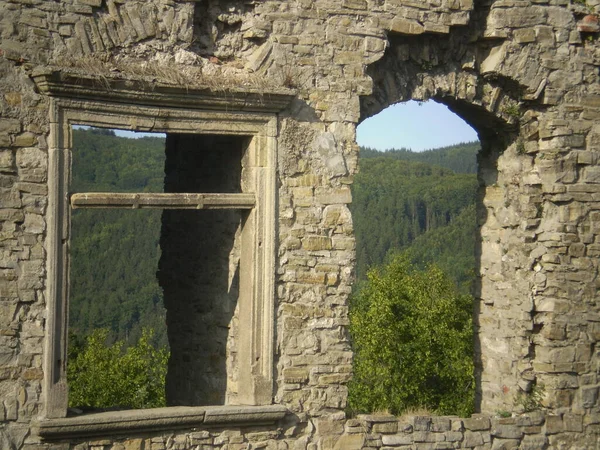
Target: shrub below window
[
  {"x": 103, "y": 375},
  {"x": 413, "y": 342}
]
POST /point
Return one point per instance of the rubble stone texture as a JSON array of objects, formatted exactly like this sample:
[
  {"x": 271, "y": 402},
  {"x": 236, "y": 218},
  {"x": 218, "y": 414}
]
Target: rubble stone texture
[{"x": 524, "y": 73}]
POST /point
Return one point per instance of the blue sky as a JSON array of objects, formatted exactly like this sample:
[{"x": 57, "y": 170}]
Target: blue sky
[
  {"x": 418, "y": 126},
  {"x": 415, "y": 126}
]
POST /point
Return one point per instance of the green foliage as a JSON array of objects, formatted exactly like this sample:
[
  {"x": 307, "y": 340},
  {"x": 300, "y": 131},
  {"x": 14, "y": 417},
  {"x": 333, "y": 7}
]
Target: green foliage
[
  {"x": 396, "y": 201},
  {"x": 114, "y": 253},
  {"x": 102, "y": 375},
  {"x": 532, "y": 400},
  {"x": 412, "y": 335},
  {"x": 512, "y": 110},
  {"x": 451, "y": 248}
]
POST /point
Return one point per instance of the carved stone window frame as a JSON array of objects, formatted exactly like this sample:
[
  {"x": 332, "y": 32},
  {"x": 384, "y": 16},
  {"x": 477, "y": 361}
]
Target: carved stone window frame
[{"x": 133, "y": 105}]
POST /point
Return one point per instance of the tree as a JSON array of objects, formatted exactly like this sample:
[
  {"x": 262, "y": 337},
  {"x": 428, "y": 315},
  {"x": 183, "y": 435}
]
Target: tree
[
  {"x": 413, "y": 342},
  {"x": 102, "y": 376}
]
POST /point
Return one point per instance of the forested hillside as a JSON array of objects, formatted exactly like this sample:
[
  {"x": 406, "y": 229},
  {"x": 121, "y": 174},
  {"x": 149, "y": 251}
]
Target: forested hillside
[
  {"x": 114, "y": 253},
  {"x": 460, "y": 158},
  {"x": 402, "y": 203},
  {"x": 401, "y": 200}
]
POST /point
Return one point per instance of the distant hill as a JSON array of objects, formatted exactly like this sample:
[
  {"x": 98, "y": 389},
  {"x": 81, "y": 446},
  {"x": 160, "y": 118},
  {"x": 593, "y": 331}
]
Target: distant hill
[
  {"x": 461, "y": 158},
  {"x": 423, "y": 202}
]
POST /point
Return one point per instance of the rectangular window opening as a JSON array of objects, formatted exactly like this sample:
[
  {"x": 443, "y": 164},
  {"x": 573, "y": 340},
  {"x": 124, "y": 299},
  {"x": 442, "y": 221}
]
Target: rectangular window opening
[{"x": 159, "y": 231}]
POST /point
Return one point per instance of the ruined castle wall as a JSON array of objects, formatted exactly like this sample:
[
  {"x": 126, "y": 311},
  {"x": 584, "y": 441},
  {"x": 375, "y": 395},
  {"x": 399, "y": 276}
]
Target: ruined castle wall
[{"x": 523, "y": 72}]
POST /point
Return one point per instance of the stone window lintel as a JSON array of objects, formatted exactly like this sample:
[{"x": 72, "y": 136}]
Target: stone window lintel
[{"x": 79, "y": 85}]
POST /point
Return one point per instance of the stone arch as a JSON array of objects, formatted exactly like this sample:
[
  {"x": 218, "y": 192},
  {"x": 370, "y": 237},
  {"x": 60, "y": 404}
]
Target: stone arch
[{"x": 448, "y": 70}]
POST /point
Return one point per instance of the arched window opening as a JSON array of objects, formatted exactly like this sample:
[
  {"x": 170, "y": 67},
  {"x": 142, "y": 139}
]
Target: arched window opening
[
  {"x": 414, "y": 207},
  {"x": 417, "y": 189}
]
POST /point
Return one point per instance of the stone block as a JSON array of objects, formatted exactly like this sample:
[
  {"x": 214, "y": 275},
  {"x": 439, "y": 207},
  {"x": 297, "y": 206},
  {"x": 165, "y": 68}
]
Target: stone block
[
  {"x": 374, "y": 45},
  {"x": 472, "y": 439},
  {"x": 65, "y": 30},
  {"x": 295, "y": 375},
  {"x": 422, "y": 423},
  {"x": 305, "y": 180},
  {"x": 525, "y": 35},
  {"x": 424, "y": 436},
  {"x": 397, "y": 439},
  {"x": 457, "y": 425},
  {"x": 477, "y": 423},
  {"x": 34, "y": 224},
  {"x": 11, "y": 126},
  {"x": 316, "y": 243},
  {"x": 453, "y": 436},
  {"x": 7, "y": 161},
  {"x": 331, "y": 196},
  {"x": 406, "y": 26},
  {"x": 440, "y": 424},
  {"x": 350, "y": 442},
  {"x": 340, "y": 378},
  {"x": 302, "y": 196},
  {"x": 505, "y": 444},
  {"x": 33, "y": 374},
  {"x": 343, "y": 243},
  {"x": 533, "y": 442},
  {"x": 590, "y": 174},
  {"x": 13, "y": 98},
  {"x": 385, "y": 427},
  {"x": 25, "y": 140},
  {"x": 573, "y": 422},
  {"x": 530, "y": 419},
  {"x": 506, "y": 431},
  {"x": 554, "y": 424},
  {"x": 5, "y": 140},
  {"x": 327, "y": 426}
]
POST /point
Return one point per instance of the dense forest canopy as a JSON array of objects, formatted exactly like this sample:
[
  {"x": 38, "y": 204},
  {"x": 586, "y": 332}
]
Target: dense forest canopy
[
  {"x": 421, "y": 202},
  {"x": 114, "y": 253}
]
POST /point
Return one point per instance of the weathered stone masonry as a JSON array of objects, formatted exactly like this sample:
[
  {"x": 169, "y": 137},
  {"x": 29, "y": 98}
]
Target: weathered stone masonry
[{"x": 296, "y": 77}]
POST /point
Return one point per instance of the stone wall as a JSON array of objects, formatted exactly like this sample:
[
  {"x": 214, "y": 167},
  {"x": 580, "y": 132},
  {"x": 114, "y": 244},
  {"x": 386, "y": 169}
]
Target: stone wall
[
  {"x": 530, "y": 431},
  {"x": 524, "y": 73}
]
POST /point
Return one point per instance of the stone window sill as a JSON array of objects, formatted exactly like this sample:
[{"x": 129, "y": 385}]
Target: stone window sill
[{"x": 158, "y": 419}]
